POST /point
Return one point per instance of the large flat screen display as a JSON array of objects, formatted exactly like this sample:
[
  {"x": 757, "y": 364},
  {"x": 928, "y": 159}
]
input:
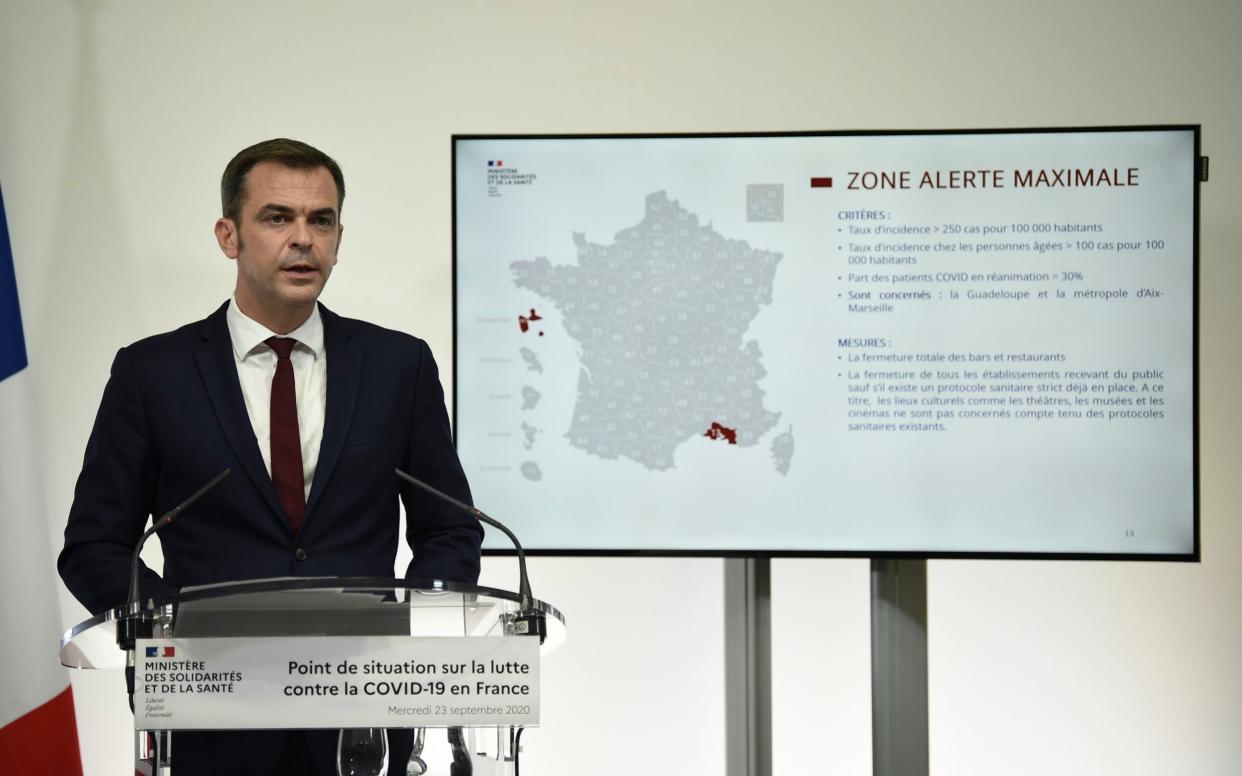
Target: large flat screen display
[{"x": 946, "y": 343}]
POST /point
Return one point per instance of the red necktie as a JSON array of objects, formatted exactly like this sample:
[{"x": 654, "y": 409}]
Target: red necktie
[{"x": 286, "y": 442}]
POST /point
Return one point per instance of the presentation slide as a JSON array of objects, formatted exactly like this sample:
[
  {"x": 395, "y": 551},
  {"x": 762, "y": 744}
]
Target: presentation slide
[{"x": 943, "y": 343}]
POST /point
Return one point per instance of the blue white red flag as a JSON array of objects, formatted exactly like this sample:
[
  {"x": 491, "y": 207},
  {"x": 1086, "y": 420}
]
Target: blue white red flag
[{"x": 38, "y": 732}]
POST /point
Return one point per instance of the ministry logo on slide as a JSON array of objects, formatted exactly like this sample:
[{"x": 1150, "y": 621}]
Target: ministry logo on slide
[
  {"x": 500, "y": 177},
  {"x": 161, "y": 651}
]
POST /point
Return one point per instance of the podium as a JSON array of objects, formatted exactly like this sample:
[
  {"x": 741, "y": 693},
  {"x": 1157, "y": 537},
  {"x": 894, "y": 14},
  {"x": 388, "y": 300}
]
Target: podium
[{"x": 354, "y": 654}]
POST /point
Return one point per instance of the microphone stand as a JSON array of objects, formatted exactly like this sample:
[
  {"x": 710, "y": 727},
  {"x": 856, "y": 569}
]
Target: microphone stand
[
  {"x": 136, "y": 623},
  {"x": 528, "y": 620}
]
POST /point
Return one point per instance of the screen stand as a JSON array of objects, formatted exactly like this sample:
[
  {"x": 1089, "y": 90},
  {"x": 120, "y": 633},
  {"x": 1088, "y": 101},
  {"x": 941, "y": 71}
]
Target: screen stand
[
  {"x": 748, "y": 666},
  {"x": 899, "y": 667}
]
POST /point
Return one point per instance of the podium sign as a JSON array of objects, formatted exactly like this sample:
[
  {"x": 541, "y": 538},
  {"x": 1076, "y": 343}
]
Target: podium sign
[{"x": 234, "y": 683}]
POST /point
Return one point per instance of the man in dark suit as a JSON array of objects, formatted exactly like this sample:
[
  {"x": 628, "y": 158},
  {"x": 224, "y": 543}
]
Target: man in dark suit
[{"x": 312, "y": 412}]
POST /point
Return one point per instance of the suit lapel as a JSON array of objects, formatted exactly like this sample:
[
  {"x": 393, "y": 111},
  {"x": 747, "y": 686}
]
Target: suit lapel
[
  {"x": 345, "y": 357},
  {"x": 219, "y": 371}
]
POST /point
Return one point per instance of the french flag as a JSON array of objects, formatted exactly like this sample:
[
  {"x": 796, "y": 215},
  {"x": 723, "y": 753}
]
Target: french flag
[
  {"x": 38, "y": 731},
  {"x": 161, "y": 652}
]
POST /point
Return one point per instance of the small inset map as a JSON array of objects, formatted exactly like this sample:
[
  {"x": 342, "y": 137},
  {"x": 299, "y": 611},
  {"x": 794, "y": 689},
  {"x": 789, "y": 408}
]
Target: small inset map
[
  {"x": 765, "y": 202},
  {"x": 524, "y": 321},
  {"x": 531, "y": 471},
  {"x": 529, "y": 433},
  {"x": 532, "y": 361},
  {"x": 530, "y": 397}
]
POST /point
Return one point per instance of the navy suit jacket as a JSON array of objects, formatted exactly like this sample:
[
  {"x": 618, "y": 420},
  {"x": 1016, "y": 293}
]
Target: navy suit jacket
[{"x": 172, "y": 417}]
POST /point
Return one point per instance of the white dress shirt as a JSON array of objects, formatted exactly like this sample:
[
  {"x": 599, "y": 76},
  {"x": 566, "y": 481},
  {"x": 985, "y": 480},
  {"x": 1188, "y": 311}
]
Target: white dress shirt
[{"x": 256, "y": 366}]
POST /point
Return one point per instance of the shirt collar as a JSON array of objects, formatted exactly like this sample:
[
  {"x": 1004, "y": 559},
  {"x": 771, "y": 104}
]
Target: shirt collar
[{"x": 248, "y": 335}]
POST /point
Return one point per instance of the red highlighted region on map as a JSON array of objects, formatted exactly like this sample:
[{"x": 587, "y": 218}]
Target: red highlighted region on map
[
  {"x": 524, "y": 320},
  {"x": 718, "y": 431}
]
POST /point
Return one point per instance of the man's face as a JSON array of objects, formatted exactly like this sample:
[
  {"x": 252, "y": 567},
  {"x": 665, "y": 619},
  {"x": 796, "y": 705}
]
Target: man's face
[{"x": 285, "y": 243}]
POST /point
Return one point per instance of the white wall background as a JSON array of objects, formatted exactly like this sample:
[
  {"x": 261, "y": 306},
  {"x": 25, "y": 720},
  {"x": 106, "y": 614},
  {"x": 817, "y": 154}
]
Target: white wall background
[{"x": 117, "y": 116}]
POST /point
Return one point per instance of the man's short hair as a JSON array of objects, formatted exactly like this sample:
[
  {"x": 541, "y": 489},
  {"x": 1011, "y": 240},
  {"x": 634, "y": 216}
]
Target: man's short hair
[{"x": 293, "y": 154}]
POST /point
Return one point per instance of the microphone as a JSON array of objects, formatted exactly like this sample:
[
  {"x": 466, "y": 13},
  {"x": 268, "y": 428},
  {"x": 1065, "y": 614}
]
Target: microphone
[
  {"x": 528, "y": 620},
  {"x": 157, "y": 525},
  {"x": 127, "y": 627},
  {"x": 133, "y": 626}
]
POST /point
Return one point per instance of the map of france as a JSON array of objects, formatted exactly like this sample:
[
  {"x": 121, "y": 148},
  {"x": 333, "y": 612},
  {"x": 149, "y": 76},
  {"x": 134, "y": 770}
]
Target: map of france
[{"x": 660, "y": 315}]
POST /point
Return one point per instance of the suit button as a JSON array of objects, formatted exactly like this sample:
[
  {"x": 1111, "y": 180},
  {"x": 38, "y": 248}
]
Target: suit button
[{"x": 300, "y": 554}]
